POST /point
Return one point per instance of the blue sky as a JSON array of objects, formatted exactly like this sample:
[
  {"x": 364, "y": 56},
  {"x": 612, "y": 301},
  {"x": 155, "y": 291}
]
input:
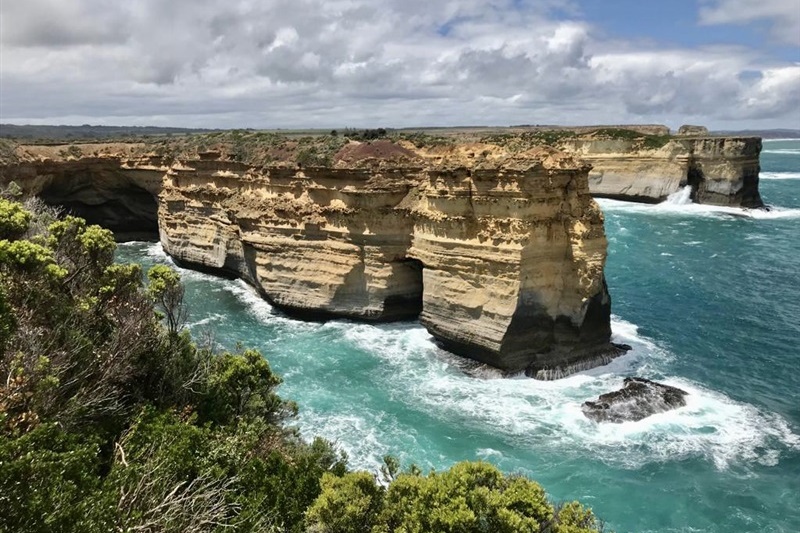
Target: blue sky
[
  {"x": 677, "y": 23},
  {"x": 727, "y": 64}
]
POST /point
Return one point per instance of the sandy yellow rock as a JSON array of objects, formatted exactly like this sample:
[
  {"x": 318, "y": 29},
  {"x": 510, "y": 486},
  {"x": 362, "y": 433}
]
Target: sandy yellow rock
[{"x": 500, "y": 254}]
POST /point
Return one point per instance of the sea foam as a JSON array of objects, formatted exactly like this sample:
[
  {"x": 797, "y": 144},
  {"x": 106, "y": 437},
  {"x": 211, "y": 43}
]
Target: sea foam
[
  {"x": 676, "y": 208},
  {"x": 526, "y": 413},
  {"x": 779, "y": 175},
  {"x": 424, "y": 383},
  {"x": 782, "y": 151}
]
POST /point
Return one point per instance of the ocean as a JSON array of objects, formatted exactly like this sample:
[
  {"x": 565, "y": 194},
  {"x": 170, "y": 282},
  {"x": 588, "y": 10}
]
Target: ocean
[{"x": 709, "y": 299}]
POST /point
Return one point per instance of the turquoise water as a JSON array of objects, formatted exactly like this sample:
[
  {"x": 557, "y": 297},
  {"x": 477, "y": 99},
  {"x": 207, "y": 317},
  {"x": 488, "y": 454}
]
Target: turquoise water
[{"x": 709, "y": 298}]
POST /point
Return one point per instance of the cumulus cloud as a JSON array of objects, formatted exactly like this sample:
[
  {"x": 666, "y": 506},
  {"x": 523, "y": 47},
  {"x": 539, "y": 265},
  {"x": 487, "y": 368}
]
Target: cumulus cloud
[
  {"x": 782, "y": 15},
  {"x": 334, "y": 63}
]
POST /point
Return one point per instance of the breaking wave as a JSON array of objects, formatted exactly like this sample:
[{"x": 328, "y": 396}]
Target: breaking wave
[
  {"x": 779, "y": 175},
  {"x": 416, "y": 376},
  {"x": 782, "y": 151},
  {"x": 704, "y": 210}
]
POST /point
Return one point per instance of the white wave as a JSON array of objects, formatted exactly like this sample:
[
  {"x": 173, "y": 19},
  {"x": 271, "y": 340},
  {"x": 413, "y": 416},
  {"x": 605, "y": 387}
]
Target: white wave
[
  {"x": 155, "y": 251},
  {"x": 131, "y": 244},
  {"x": 266, "y": 313},
  {"x": 257, "y": 305},
  {"x": 773, "y": 213},
  {"x": 779, "y": 175},
  {"x": 520, "y": 413},
  {"x": 215, "y": 317},
  {"x": 682, "y": 196},
  {"x": 487, "y": 453},
  {"x": 361, "y": 434},
  {"x": 702, "y": 210},
  {"x": 782, "y": 151},
  {"x": 529, "y": 414},
  {"x": 786, "y": 139}
]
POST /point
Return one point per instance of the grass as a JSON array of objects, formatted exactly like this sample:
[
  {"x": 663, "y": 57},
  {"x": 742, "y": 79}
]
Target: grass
[{"x": 517, "y": 142}]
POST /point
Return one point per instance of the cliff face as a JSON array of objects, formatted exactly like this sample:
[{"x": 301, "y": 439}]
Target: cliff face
[
  {"x": 318, "y": 243},
  {"x": 721, "y": 170},
  {"x": 514, "y": 251},
  {"x": 501, "y": 256},
  {"x": 724, "y": 171},
  {"x": 497, "y": 248},
  {"x": 106, "y": 186}
]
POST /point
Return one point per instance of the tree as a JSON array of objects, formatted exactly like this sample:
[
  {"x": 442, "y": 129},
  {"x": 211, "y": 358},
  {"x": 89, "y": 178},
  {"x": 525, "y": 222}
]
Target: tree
[
  {"x": 347, "y": 504},
  {"x": 242, "y": 385},
  {"x": 167, "y": 292}
]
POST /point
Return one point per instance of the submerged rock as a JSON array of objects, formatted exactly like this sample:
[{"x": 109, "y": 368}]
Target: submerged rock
[{"x": 638, "y": 399}]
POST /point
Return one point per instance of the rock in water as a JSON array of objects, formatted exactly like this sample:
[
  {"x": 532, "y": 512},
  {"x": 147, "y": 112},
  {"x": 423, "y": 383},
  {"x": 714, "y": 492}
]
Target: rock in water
[{"x": 638, "y": 399}]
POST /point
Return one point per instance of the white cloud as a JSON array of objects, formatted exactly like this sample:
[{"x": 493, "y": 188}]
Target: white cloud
[
  {"x": 782, "y": 15},
  {"x": 335, "y": 63}
]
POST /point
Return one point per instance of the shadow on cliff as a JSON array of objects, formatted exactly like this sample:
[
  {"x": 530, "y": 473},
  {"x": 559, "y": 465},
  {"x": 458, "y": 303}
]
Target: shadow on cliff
[{"x": 128, "y": 210}]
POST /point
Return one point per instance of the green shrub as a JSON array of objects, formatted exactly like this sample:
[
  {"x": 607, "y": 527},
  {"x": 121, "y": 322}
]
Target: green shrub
[
  {"x": 347, "y": 504},
  {"x": 470, "y": 497},
  {"x": 14, "y": 219},
  {"x": 241, "y": 386}
]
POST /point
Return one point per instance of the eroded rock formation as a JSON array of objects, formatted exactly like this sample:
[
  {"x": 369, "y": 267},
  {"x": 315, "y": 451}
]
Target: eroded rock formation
[
  {"x": 103, "y": 183},
  {"x": 721, "y": 170},
  {"x": 496, "y": 246},
  {"x": 500, "y": 254}
]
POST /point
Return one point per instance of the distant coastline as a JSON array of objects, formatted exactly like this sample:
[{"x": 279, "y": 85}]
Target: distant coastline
[{"x": 90, "y": 132}]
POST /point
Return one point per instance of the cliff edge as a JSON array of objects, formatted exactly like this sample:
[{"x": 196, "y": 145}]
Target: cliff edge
[{"x": 500, "y": 254}]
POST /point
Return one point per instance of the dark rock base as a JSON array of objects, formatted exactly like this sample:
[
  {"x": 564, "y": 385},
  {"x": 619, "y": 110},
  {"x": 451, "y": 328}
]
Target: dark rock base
[{"x": 638, "y": 399}]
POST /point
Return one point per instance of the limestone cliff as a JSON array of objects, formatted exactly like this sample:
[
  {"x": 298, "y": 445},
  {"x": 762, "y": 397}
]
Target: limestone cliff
[
  {"x": 500, "y": 254},
  {"x": 107, "y": 184},
  {"x": 513, "y": 250},
  {"x": 721, "y": 170}
]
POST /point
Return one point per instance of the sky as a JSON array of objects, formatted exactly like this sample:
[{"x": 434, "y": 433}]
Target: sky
[{"x": 726, "y": 64}]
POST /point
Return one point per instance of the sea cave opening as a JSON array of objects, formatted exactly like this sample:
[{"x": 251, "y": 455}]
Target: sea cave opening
[{"x": 128, "y": 210}]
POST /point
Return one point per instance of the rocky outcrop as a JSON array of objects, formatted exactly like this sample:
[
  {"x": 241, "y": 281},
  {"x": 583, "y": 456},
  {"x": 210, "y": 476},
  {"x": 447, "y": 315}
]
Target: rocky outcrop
[
  {"x": 688, "y": 129},
  {"x": 318, "y": 243},
  {"x": 500, "y": 255},
  {"x": 721, "y": 170},
  {"x": 513, "y": 250},
  {"x": 636, "y": 400},
  {"x": 724, "y": 171},
  {"x": 498, "y": 248}
]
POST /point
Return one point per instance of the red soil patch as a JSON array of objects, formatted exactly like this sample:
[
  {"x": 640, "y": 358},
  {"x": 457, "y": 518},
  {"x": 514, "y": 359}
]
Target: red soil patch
[{"x": 381, "y": 149}]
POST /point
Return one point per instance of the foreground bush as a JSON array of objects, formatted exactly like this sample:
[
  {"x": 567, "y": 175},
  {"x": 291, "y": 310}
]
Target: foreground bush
[
  {"x": 470, "y": 497},
  {"x": 112, "y": 419}
]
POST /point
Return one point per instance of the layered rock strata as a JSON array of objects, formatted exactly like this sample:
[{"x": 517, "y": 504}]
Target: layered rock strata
[
  {"x": 720, "y": 170},
  {"x": 500, "y": 252},
  {"x": 107, "y": 186},
  {"x": 500, "y": 255}
]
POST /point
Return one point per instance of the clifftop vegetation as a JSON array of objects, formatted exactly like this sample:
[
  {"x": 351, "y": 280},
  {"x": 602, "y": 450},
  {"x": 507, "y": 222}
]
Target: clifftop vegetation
[
  {"x": 527, "y": 140},
  {"x": 318, "y": 148}
]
